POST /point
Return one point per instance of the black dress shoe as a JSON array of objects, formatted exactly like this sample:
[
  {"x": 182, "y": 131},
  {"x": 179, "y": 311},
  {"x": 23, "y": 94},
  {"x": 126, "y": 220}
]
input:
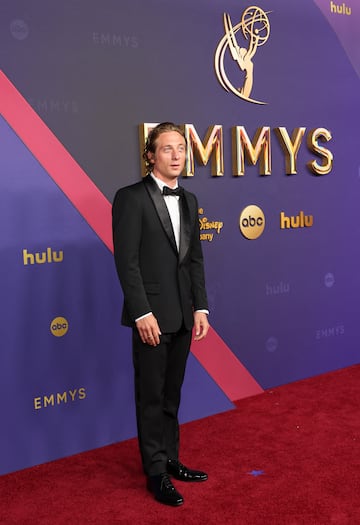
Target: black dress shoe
[
  {"x": 179, "y": 471},
  {"x": 163, "y": 490}
]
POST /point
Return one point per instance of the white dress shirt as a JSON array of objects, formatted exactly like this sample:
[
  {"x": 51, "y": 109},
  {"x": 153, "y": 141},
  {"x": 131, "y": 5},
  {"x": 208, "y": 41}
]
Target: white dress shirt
[{"x": 172, "y": 204}]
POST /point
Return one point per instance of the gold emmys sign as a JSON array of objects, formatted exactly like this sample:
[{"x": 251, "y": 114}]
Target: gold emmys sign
[
  {"x": 255, "y": 28},
  {"x": 250, "y": 151}
]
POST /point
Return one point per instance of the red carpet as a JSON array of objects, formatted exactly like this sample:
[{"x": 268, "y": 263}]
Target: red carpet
[{"x": 290, "y": 456}]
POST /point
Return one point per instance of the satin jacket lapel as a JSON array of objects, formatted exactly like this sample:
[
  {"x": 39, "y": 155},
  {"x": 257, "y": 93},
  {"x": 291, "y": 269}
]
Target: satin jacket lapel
[
  {"x": 185, "y": 228},
  {"x": 161, "y": 209}
]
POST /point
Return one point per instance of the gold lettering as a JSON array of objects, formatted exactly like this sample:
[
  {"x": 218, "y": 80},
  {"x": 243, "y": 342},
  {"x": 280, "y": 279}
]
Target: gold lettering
[
  {"x": 213, "y": 148},
  {"x": 327, "y": 157},
  {"x": 28, "y": 257},
  {"x": 58, "y": 398},
  {"x": 298, "y": 221},
  {"x": 206, "y": 237},
  {"x": 340, "y": 9},
  {"x": 290, "y": 147},
  {"x": 244, "y": 148},
  {"x": 82, "y": 393},
  {"x": 40, "y": 259},
  {"x": 205, "y": 224},
  {"x": 73, "y": 394},
  {"x": 58, "y": 257},
  {"x": 49, "y": 400},
  {"x": 61, "y": 397}
]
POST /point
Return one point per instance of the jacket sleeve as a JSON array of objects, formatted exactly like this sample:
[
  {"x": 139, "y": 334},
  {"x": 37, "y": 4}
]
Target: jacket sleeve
[
  {"x": 197, "y": 272},
  {"x": 127, "y": 230}
]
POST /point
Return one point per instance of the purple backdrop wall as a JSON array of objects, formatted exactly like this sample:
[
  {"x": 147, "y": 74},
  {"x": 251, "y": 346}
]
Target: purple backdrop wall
[{"x": 285, "y": 303}]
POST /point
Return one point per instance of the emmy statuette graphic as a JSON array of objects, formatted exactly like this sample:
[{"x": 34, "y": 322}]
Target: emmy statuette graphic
[{"x": 255, "y": 28}]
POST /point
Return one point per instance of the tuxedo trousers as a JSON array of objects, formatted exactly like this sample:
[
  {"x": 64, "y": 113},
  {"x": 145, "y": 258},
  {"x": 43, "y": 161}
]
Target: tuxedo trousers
[{"x": 159, "y": 375}]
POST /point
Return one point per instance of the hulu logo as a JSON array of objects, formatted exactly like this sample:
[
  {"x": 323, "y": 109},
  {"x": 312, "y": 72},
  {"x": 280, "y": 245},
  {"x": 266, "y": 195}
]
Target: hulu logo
[
  {"x": 49, "y": 256},
  {"x": 340, "y": 9},
  {"x": 298, "y": 221}
]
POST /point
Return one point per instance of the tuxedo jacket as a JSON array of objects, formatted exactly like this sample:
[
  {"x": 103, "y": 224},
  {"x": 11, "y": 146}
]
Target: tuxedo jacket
[{"x": 155, "y": 276}]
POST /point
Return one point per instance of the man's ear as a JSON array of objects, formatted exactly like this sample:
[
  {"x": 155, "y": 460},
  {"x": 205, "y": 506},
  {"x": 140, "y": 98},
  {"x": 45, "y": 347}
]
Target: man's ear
[{"x": 150, "y": 157}]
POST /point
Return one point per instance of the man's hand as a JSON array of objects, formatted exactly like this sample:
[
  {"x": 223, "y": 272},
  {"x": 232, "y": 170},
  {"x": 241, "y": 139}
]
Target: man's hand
[
  {"x": 149, "y": 330},
  {"x": 201, "y": 325}
]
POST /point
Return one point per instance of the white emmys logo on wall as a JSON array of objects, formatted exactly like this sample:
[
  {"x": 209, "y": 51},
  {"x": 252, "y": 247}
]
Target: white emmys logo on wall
[
  {"x": 19, "y": 29},
  {"x": 255, "y": 27}
]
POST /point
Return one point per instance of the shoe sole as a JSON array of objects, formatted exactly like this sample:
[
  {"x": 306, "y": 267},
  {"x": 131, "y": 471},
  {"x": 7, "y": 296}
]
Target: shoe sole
[{"x": 175, "y": 504}]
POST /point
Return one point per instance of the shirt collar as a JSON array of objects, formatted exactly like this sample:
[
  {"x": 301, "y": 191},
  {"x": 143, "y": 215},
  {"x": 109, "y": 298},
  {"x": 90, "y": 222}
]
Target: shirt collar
[{"x": 160, "y": 183}]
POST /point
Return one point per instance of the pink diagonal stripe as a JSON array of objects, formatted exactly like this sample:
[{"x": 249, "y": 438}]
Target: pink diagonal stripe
[
  {"x": 224, "y": 367},
  {"x": 56, "y": 160},
  {"x": 213, "y": 354}
]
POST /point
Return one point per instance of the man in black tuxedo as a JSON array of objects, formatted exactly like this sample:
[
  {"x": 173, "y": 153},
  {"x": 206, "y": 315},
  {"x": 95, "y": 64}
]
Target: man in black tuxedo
[{"x": 159, "y": 261}]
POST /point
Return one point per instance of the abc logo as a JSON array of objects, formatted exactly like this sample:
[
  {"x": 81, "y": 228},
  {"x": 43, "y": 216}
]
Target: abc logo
[
  {"x": 59, "y": 326},
  {"x": 252, "y": 222}
]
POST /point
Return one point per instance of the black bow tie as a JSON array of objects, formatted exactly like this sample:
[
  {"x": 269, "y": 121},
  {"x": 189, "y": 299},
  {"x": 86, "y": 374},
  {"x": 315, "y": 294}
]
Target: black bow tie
[{"x": 178, "y": 192}]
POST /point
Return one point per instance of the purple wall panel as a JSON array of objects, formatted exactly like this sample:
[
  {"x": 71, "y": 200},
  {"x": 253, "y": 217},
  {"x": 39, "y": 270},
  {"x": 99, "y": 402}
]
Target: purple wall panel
[{"x": 285, "y": 303}]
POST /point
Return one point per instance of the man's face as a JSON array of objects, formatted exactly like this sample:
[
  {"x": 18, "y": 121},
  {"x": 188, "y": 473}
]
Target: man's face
[{"x": 169, "y": 157}]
